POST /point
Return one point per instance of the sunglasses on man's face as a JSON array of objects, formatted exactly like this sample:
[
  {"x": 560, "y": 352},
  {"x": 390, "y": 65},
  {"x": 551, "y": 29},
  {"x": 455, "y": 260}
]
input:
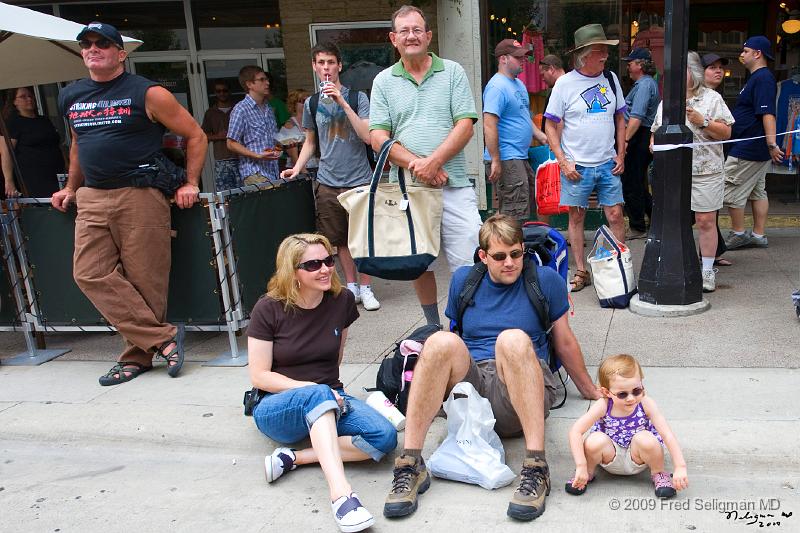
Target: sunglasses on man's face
[
  {"x": 501, "y": 256},
  {"x": 102, "y": 44},
  {"x": 312, "y": 265},
  {"x": 624, "y": 394}
]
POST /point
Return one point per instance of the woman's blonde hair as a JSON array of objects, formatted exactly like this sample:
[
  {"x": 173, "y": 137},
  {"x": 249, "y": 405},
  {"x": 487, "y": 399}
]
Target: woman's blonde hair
[
  {"x": 622, "y": 365},
  {"x": 283, "y": 286},
  {"x": 296, "y": 96},
  {"x": 696, "y": 71}
]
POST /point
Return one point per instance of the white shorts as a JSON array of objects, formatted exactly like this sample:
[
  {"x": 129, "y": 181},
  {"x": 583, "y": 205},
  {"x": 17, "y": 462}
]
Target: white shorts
[
  {"x": 460, "y": 225},
  {"x": 623, "y": 464}
]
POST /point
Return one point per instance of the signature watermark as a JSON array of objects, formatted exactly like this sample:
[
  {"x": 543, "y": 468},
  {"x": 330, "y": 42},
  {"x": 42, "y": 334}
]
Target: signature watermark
[{"x": 759, "y": 512}]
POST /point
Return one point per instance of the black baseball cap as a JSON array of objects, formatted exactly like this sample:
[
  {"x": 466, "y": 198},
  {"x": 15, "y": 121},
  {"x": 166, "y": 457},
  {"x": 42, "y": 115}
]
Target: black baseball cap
[
  {"x": 638, "y": 53},
  {"x": 711, "y": 58},
  {"x": 106, "y": 30}
]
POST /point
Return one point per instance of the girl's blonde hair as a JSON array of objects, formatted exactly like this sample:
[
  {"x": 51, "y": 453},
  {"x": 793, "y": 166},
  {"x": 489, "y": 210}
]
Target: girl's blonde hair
[
  {"x": 623, "y": 365},
  {"x": 296, "y": 96},
  {"x": 283, "y": 286}
]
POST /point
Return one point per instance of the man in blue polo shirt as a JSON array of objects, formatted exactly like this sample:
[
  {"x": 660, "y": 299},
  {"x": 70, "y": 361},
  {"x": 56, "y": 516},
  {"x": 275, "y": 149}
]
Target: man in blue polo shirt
[
  {"x": 748, "y": 161},
  {"x": 508, "y": 131}
]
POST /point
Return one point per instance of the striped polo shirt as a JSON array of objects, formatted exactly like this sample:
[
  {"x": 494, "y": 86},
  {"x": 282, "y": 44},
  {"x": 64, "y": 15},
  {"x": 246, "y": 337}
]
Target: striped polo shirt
[{"x": 421, "y": 116}]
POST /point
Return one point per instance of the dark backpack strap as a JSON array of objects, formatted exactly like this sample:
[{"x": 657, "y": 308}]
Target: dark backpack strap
[
  {"x": 313, "y": 104},
  {"x": 471, "y": 283},
  {"x": 610, "y": 78},
  {"x": 352, "y": 101},
  {"x": 535, "y": 294}
]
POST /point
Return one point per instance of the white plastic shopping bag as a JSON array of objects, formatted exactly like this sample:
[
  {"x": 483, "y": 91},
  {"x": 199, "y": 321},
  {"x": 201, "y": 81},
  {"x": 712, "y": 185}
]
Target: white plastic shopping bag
[
  {"x": 472, "y": 451},
  {"x": 612, "y": 270}
]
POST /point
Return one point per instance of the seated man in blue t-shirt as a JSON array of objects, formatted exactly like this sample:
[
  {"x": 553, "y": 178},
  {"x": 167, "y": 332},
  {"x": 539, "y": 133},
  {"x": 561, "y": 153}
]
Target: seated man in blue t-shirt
[{"x": 495, "y": 354}]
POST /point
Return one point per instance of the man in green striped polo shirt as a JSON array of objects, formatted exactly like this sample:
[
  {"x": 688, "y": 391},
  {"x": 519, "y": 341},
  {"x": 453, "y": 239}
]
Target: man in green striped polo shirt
[{"x": 425, "y": 103}]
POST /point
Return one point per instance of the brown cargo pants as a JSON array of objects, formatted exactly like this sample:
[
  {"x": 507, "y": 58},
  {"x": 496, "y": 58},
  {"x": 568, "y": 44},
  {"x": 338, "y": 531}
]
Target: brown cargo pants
[{"x": 121, "y": 263}]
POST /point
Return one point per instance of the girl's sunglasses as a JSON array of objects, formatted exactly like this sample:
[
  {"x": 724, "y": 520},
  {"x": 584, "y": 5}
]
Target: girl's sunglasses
[
  {"x": 624, "y": 394},
  {"x": 501, "y": 256},
  {"x": 102, "y": 44},
  {"x": 313, "y": 265}
]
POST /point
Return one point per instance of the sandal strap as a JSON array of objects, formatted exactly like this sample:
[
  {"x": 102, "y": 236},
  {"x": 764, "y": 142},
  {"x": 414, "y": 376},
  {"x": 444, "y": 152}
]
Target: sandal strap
[
  {"x": 119, "y": 368},
  {"x": 173, "y": 354}
]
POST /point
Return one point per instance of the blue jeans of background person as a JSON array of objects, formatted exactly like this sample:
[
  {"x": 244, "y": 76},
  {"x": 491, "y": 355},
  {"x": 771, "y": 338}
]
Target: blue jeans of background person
[
  {"x": 287, "y": 417},
  {"x": 609, "y": 187}
]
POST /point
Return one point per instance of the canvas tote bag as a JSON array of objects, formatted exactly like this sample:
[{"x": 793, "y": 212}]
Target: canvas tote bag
[
  {"x": 394, "y": 228},
  {"x": 612, "y": 270}
]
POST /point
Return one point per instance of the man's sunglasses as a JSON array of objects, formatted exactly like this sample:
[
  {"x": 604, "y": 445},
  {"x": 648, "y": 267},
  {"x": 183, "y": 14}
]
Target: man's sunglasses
[
  {"x": 312, "y": 265},
  {"x": 102, "y": 44},
  {"x": 624, "y": 394},
  {"x": 501, "y": 256}
]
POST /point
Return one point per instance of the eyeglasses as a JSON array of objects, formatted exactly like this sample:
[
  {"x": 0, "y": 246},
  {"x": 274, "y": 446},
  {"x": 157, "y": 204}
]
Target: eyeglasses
[
  {"x": 417, "y": 32},
  {"x": 102, "y": 44},
  {"x": 624, "y": 394},
  {"x": 260, "y": 79},
  {"x": 312, "y": 265},
  {"x": 501, "y": 256},
  {"x": 221, "y": 91}
]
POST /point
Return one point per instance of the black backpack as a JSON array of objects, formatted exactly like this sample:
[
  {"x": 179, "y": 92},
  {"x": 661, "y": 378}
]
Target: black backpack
[
  {"x": 352, "y": 101},
  {"x": 392, "y": 379},
  {"x": 535, "y": 295}
]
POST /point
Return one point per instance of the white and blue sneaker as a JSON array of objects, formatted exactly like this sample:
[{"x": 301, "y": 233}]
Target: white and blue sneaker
[
  {"x": 278, "y": 463},
  {"x": 350, "y": 515}
]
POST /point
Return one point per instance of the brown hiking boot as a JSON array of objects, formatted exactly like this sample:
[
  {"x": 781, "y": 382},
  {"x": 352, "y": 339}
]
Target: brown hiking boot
[
  {"x": 527, "y": 502},
  {"x": 410, "y": 478}
]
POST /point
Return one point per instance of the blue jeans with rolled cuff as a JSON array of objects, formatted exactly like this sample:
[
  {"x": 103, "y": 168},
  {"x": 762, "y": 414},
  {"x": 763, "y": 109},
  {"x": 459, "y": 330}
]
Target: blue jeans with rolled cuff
[{"x": 287, "y": 417}]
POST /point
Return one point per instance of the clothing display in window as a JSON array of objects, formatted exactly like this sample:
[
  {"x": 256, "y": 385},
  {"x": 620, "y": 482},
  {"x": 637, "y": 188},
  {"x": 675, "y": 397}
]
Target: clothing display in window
[{"x": 788, "y": 119}]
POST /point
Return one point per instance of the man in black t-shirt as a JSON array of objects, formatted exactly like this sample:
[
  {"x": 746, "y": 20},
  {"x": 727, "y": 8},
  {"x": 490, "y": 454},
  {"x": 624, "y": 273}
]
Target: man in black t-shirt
[{"x": 123, "y": 232}]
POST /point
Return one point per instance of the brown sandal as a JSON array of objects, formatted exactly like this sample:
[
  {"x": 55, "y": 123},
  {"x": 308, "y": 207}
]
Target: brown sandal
[{"x": 581, "y": 279}]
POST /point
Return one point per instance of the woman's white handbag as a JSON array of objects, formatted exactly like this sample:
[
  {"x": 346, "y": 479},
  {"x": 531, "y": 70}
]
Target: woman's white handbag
[
  {"x": 394, "y": 229},
  {"x": 612, "y": 270}
]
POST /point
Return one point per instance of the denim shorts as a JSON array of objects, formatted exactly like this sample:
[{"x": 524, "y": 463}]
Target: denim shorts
[
  {"x": 609, "y": 186},
  {"x": 287, "y": 417}
]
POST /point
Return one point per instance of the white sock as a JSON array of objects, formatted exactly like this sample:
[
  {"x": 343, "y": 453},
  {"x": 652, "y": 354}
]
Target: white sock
[
  {"x": 738, "y": 233},
  {"x": 362, "y": 287},
  {"x": 708, "y": 263},
  {"x": 756, "y": 235},
  {"x": 353, "y": 287}
]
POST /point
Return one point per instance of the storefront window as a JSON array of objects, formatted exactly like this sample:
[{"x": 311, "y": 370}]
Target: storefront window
[
  {"x": 161, "y": 25},
  {"x": 242, "y": 24}
]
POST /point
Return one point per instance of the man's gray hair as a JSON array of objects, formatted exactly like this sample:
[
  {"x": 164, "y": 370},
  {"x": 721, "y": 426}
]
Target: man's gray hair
[
  {"x": 580, "y": 56},
  {"x": 404, "y": 10},
  {"x": 696, "y": 71}
]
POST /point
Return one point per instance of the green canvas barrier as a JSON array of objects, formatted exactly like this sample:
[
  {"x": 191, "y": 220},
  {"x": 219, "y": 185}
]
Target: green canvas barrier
[{"x": 259, "y": 221}]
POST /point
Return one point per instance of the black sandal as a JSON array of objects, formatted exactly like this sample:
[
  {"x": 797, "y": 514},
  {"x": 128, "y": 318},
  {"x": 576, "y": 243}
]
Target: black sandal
[
  {"x": 124, "y": 371},
  {"x": 174, "y": 356}
]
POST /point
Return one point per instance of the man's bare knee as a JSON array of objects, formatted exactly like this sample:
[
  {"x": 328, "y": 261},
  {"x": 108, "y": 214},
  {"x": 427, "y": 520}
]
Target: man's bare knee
[
  {"x": 443, "y": 349},
  {"x": 514, "y": 346}
]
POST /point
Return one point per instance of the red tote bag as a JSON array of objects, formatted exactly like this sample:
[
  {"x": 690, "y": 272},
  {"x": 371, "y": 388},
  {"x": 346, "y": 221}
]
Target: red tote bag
[{"x": 548, "y": 189}]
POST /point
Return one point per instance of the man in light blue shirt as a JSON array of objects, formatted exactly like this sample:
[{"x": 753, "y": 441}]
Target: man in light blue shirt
[
  {"x": 641, "y": 105},
  {"x": 508, "y": 131}
]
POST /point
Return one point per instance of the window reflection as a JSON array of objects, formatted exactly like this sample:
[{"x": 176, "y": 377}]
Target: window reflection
[{"x": 242, "y": 24}]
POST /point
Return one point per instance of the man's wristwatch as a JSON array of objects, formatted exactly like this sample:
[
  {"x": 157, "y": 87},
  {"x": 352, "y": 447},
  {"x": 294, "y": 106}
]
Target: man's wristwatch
[
  {"x": 705, "y": 123},
  {"x": 772, "y": 146}
]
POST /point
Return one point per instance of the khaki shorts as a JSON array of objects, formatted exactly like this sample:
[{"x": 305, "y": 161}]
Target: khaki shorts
[
  {"x": 707, "y": 192},
  {"x": 331, "y": 216},
  {"x": 744, "y": 180},
  {"x": 623, "y": 464},
  {"x": 515, "y": 187},
  {"x": 483, "y": 376}
]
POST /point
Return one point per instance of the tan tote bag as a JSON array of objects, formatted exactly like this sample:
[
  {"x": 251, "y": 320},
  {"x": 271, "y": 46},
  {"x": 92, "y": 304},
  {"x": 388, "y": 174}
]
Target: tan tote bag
[{"x": 394, "y": 228}]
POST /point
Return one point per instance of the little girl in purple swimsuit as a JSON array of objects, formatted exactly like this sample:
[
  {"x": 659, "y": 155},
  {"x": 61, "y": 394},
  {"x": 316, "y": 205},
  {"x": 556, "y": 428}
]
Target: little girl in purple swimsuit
[{"x": 627, "y": 433}]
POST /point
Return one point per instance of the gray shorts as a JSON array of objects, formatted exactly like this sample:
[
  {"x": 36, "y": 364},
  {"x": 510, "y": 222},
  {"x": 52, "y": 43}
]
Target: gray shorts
[
  {"x": 483, "y": 376},
  {"x": 515, "y": 188}
]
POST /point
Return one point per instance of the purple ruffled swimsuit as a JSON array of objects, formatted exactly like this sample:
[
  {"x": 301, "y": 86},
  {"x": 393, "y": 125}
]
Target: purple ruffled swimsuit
[{"x": 621, "y": 430}]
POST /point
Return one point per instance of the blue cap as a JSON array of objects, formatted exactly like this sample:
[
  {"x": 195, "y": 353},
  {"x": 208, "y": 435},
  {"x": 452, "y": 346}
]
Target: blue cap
[
  {"x": 760, "y": 43},
  {"x": 106, "y": 30},
  {"x": 638, "y": 53}
]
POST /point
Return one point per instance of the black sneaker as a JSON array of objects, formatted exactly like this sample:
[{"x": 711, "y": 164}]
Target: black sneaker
[
  {"x": 410, "y": 479},
  {"x": 527, "y": 502}
]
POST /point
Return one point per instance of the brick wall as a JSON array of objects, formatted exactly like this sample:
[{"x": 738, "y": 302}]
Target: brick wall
[{"x": 296, "y": 15}]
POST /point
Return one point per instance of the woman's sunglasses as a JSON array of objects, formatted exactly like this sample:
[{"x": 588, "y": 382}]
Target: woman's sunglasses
[
  {"x": 501, "y": 256},
  {"x": 312, "y": 265},
  {"x": 624, "y": 394},
  {"x": 102, "y": 44}
]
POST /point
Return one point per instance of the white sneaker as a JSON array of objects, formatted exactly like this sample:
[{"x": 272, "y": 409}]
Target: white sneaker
[
  {"x": 709, "y": 280},
  {"x": 350, "y": 515},
  {"x": 368, "y": 299},
  {"x": 356, "y": 293},
  {"x": 278, "y": 463}
]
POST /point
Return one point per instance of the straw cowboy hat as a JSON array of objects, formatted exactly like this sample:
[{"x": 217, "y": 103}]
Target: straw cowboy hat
[{"x": 591, "y": 34}]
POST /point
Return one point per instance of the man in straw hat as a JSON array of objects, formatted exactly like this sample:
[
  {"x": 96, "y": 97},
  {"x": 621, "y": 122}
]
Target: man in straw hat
[{"x": 590, "y": 148}]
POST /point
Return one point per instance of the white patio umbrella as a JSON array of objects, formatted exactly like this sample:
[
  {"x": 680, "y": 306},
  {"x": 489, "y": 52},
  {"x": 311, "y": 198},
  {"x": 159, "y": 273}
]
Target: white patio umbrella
[{"x": 36, "y": 48}]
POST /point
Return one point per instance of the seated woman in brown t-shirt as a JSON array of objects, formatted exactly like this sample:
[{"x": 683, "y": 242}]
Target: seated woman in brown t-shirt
[{"x": 295, "y": 345}]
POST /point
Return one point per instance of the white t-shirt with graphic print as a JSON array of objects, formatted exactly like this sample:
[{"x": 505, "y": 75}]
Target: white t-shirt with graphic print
[{"x": 586, "y": 105}]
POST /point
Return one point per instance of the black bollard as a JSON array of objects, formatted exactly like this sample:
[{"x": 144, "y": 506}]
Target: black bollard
[{"x": 670, "y": 273}]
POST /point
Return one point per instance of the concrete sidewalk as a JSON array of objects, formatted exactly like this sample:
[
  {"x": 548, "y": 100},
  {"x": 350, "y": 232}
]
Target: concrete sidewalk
[{"x": 161, "y": 454}]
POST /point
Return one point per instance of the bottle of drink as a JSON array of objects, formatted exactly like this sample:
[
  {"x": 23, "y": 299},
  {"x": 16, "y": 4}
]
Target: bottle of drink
[
  {"x": 324, "y": 98},
  {"x": 378, "y": 401}
]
